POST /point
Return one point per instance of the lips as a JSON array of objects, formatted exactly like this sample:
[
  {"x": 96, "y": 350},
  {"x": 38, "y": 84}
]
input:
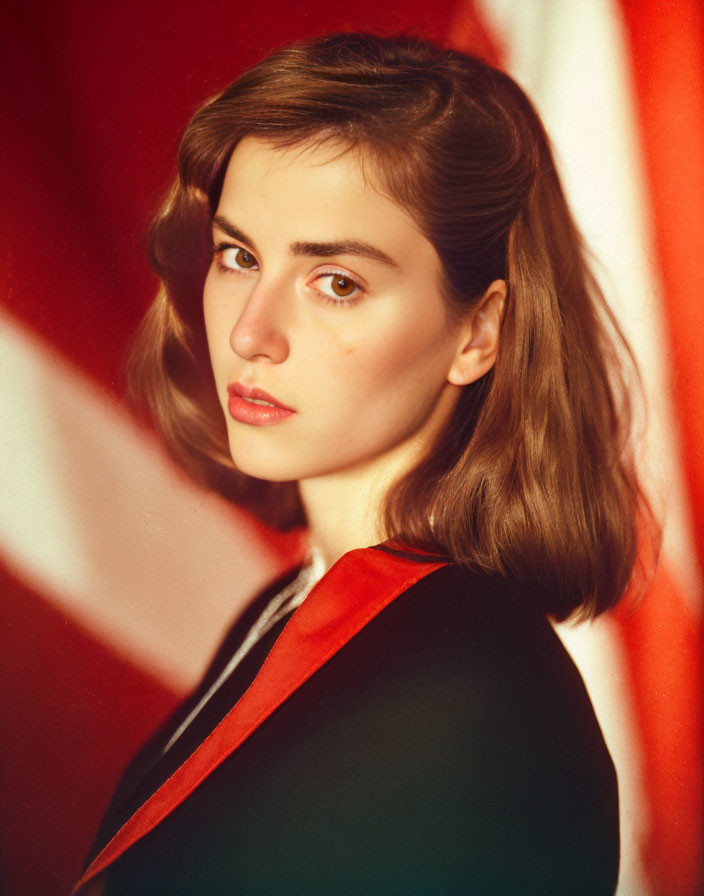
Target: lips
[
  {"x": 256, "y": 394},
  {"x": 254, "y": 406}
]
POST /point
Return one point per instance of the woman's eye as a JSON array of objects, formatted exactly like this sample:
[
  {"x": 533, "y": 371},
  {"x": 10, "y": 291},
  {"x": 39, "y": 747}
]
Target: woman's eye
[
  {"x": 338, "y": 286},
  {"x": 235, "y": 258}
]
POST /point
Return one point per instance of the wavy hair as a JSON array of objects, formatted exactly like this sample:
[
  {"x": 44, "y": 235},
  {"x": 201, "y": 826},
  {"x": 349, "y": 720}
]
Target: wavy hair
[{"x": 533, "y": 480}]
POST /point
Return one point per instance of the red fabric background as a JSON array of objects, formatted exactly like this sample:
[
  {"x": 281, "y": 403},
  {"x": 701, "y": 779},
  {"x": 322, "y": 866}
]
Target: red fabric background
[{"x": 95, "y": 97}]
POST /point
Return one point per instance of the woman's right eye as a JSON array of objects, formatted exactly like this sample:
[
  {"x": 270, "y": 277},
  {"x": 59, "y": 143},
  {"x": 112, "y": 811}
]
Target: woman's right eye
[{"x": 234, "y": 258}]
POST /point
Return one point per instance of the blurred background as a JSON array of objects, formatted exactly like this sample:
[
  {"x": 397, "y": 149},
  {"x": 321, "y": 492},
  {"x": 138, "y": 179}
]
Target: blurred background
[{"x": 118, "y": 576}]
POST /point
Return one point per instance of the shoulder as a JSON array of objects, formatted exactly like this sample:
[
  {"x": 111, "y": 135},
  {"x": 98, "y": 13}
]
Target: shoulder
[
  {"x": 496, "y": 730},
  {"x": 492, "y": 653},
  {"x": 470, "y": 630}
]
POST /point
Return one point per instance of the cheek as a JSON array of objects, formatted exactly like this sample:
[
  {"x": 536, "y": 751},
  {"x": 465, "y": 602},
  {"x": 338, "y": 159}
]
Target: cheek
[
  {"x": 403, "y": 367},
  {"x": 209, "y": 312},
  {"x": 219, "y": 321}
]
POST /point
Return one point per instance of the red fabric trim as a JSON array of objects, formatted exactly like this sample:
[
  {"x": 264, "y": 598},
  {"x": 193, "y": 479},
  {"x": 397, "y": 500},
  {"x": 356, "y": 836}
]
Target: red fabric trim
[{"x": 350, "y": 594}]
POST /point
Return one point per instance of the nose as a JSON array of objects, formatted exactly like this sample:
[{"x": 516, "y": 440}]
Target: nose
[{"x": 259, "y": 332}]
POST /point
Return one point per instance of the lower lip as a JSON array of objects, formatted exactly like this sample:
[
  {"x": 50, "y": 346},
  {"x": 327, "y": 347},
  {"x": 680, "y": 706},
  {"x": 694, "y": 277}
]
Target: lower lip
[{"x": 246, "y": 411}]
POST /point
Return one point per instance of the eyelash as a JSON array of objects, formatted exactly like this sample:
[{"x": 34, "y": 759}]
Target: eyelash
[{"x": 218, "y": 249}]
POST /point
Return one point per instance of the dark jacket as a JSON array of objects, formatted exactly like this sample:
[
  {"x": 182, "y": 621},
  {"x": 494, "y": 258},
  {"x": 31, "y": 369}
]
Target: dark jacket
[{"x": 448, "y": 746}]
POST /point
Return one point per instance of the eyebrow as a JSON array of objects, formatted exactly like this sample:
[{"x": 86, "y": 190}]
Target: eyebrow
[{"x": 315, "y": 249}]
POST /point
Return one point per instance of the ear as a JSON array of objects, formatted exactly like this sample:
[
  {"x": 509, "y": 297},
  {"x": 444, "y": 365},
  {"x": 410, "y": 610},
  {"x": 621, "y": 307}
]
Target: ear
[{"x": 480, "y": 337}]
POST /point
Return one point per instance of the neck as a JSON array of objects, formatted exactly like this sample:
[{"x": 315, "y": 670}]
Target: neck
[
  {"x": 342, "y": 515},
  {"x": 345, "y": 509}
]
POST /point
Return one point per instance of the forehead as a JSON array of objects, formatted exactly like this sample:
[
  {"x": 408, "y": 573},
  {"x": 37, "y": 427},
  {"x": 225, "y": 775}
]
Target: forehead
[
  {"x": 326, "y": 160},
  {"x": 316, "y": 191}
]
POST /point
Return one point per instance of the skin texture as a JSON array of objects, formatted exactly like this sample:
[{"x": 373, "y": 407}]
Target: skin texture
[{"x": 373, "y": 374}]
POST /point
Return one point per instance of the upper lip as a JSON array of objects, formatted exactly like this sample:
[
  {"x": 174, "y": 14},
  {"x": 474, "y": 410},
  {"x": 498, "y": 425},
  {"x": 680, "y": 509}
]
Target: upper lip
[{"x": 255, "y": 392}]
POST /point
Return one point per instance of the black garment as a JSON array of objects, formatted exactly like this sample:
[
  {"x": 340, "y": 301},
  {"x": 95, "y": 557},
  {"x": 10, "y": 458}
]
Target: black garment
[{"x": 449, "y": 747}]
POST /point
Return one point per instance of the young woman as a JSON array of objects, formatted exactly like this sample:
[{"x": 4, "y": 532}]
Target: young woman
[{"x": 376, "y": 320}]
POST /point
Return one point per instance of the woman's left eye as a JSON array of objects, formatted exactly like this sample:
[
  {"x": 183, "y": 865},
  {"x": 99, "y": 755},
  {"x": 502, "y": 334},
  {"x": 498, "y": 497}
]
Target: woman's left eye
[{"x": 338, "y": 288}]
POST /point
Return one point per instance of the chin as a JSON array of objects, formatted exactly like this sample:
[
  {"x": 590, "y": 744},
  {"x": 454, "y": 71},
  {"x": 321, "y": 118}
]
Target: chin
[
  {"x": 257, "y": 465},
  {"x": 267, "y": 472},
  {"x": 292, "y": 461},
  {"x": 281, "y": 469}
]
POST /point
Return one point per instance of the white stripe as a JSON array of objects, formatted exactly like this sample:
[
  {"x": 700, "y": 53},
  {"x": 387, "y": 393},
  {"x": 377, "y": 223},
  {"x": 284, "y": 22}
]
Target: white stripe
[{"x": 96, "y": 519}]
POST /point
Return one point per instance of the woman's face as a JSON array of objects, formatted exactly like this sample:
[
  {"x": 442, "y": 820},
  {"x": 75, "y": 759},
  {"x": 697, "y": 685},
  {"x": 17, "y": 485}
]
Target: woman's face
[{"x": 323, "y": 295}]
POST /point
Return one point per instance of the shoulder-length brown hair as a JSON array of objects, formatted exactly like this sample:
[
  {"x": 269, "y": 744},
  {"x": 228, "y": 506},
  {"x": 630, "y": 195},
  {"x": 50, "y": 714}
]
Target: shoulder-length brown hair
[{"x": 533, "y": 480}]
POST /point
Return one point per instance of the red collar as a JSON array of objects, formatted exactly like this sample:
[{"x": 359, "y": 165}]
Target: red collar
[{"x": 350, "y": 594}]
